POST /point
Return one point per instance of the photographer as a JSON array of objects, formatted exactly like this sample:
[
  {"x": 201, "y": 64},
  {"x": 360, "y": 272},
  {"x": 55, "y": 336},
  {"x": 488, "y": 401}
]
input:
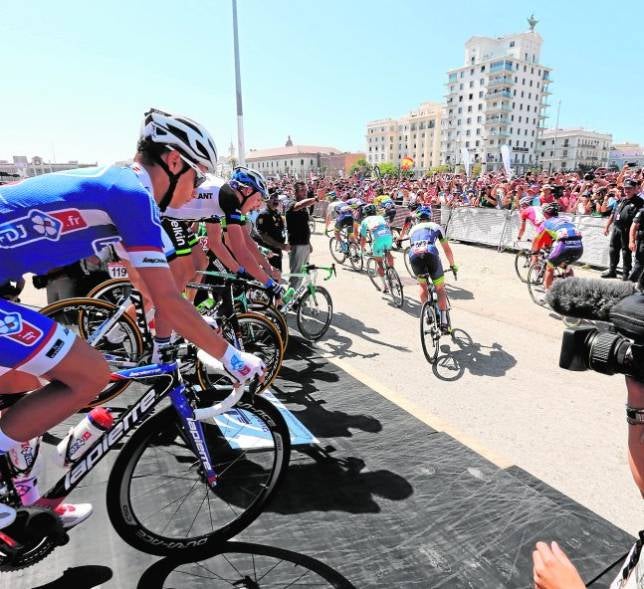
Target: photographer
[
  {"x": 608, "y": 353},
  {"x": 621, "y": 221}
]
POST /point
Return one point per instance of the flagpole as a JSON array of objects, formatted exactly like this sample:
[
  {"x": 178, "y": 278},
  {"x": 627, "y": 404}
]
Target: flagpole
[{"x": 240, "y": 110}]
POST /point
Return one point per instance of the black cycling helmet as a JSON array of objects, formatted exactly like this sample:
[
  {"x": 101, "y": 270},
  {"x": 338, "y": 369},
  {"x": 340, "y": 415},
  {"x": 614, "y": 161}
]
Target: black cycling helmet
[
  {"x": 551, "y": 209},
  {"x": 368, "y": 210}
]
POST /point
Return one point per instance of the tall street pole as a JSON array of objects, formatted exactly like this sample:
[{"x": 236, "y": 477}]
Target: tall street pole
[
  {"x": 240, "y": 112},
  {"x": 557, "y": 134}
]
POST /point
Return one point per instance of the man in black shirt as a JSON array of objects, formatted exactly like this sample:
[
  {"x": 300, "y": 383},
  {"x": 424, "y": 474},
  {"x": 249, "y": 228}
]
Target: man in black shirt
[
  {"x": 621, "y": 221},
  {"x": 270, "y": 226},
  {"x": 299, "y": 233}
]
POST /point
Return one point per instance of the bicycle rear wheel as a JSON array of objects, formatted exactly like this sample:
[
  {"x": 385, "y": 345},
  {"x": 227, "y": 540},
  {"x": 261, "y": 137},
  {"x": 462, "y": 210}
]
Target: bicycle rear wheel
[
  {"x": 535, "y": 283},
  {"x": 335, "y": 247},
  {"x": 122, "y": 344},
  {"x": 395, "y": 287},
  {"x": 372, "y": 273},
  {"x": 157, "y": 497},
  {"x": 522, "y": 261},
  {"x": 355, "y": 257},
  {"x": 430, "y": 333},
  {"x": 274, "y": 315},
  {"x": 114, "y": 290},
  {"x": 315, "y": 313}
]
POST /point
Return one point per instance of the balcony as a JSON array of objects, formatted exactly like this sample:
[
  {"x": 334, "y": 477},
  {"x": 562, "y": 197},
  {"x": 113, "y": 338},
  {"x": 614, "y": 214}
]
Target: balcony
[
  {"x": 496, "y": 120},
  {"x": 500, "y": 81},
  {"x": 499, "y": 108},
  {"x": 500, "y": 94},
  {"x": 500, "y": 133}
]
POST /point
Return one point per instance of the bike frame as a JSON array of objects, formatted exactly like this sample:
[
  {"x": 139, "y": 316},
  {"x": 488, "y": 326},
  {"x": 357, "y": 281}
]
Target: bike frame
[
  {"x": 81, "y": 467},
  {"x": 309, "y": 276}
]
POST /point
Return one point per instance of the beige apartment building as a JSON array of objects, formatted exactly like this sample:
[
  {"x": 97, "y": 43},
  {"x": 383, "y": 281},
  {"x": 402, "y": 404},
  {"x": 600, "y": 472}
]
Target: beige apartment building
[{"x": 416, "y": 135}]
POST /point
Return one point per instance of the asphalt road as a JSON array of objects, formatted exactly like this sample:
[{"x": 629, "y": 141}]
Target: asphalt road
[{"x": 504, "y": 395}]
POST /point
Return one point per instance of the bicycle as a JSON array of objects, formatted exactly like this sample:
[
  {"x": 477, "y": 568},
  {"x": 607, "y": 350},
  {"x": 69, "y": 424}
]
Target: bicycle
[
  {"x": 536, "y": 275},
  {"x": 312, "y": 304},
  {"x": 392, "y": 279},
  {"x": 430, "y": 328},
  {"x": 522, "y": 261},
  {"x": 202, "y": 448},
  {"x": 340, "y": 248}
]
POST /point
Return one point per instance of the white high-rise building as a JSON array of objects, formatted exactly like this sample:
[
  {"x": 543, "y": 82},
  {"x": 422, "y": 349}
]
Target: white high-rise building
[
  {"x": 567, "y": 149},
  {"x": 499, "y": 96},
  {"x": 415, "y": 135}
]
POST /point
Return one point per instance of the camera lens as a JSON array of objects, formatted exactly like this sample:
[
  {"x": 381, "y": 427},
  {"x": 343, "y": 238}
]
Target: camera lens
[{"x": 607, "y": 352}]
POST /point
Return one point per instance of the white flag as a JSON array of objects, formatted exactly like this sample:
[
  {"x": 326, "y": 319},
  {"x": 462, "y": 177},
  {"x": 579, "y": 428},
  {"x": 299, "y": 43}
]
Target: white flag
[
  {"x": 505, "y": 156},
  {"x": 465, "y": 156}
]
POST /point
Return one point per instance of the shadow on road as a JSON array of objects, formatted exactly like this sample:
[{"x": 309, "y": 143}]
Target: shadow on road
[
  {"x": 357, "y": 328},
  {"x": 80, "y": 577},
  {"x": 461, "y": 353},
  {"x": 241, "y": 564}
]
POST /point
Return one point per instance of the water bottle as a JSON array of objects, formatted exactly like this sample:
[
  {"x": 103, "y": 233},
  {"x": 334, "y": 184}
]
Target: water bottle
[
  {"x": 288, "y": 295},
  {"x": 83, "y": 435},
  {"x": 24, "y": 459}
]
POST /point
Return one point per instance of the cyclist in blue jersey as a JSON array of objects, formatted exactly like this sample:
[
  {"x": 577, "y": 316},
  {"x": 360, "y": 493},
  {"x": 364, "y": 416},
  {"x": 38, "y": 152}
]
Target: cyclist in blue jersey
[
  {"x": 564, "y": 237},
  {"x": 381, "y": 239},
  {"x": 56, "y": 219},
  {"x": 425, "y": 259}
]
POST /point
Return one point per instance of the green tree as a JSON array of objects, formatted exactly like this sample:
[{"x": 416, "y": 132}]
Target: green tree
[
  {"x": 388, "y": 169},
  {"x": 361, "y": 166},
  {"x": 476, "y": 169}
]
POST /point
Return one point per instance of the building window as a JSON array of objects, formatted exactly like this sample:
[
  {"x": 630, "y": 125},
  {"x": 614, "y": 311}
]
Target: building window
[
  {"x": 301, "y": 162},
  {"x": 511, "y": 43}
]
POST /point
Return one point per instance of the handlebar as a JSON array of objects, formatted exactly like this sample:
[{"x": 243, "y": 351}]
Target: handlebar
[
  {"x": 330, "y": 270},
  {"x": 228, "y": 403}
]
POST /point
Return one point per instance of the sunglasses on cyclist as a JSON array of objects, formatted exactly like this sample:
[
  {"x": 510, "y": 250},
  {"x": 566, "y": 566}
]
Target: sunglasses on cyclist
[{"x": 200, "y": 177}]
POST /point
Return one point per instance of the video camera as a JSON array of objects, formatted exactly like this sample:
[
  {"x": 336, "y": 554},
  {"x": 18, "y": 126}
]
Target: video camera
[{"x": 619, "y": 346}]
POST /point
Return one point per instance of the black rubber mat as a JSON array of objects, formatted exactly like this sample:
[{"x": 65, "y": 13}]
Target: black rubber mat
[{"x": 384, "y": 501}]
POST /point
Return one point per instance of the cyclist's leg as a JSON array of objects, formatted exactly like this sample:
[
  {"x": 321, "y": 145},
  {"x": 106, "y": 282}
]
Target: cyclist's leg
[
  {"x": 36, "y": 345},
  {"x": 421, "y": 271},
  {"x": 424, "y": 289}
]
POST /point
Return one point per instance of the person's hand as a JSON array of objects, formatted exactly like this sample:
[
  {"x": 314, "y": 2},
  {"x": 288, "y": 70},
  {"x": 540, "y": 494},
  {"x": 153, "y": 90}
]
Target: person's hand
[
  {"x": 275, "y": 288},
  {"x": 276, "y": 275},
  {"x": 242, "y": 366},
  {"x": 286, "y": 247},
  {"x": 606, "y": 230},
  {"x": 631, "y": 246},
  {"x": 552, "y": 569}
]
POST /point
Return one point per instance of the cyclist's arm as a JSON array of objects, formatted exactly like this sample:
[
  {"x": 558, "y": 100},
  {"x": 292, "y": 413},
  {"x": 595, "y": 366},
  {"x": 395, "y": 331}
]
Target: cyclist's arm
[
  {"x": 217, "y": 247},
  {"x": 448, "y": 251},
  {"x": 235, "y": 239},
  {"x": 179, "y": 313},
  {"x": 260, "y": 258},
  {"x": 521, "y": 229}
]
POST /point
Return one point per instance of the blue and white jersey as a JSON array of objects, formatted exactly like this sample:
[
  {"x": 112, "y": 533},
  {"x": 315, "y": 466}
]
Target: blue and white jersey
[
  {"x": 423, "y": 237},
  {"x": 57, "y": 219}
]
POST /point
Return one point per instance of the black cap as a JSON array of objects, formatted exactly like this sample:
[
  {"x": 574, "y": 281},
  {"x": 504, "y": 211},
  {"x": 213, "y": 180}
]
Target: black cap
[{"x": 631, "y": 183}]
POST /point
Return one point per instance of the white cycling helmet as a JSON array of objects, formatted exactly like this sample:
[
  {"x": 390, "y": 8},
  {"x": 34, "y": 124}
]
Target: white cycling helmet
[{"x": 189, "y": 138}]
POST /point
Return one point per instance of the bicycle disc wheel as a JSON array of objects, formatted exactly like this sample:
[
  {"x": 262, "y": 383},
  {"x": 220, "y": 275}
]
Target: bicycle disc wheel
[
  {"x": 335, "y": 247},
  {"x": 429, "y": 332},
  {"x": 535, "y": 283},
  {"x": 157, "y": 497},
  {"x": 114, "y": 290},
  {"x": 395, "y": 287},
  {"x": 408, "y": 262},
  {"x": 315, "y": 313},
  {"x": 122, "y": 345},
  {"x": 355, "y": 257},
  {"x": 260, "y": 338},
  {"x": 372, "y": 273},
  {"x": 522, "y": 265}
]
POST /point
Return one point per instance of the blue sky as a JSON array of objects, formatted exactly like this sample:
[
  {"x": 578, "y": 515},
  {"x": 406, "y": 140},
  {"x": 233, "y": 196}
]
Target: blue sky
[{"x": 77, "y": 76}]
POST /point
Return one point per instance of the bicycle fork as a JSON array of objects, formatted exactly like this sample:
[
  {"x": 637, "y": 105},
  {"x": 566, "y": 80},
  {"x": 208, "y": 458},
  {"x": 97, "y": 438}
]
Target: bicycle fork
[{"x": 194, "y": 431}]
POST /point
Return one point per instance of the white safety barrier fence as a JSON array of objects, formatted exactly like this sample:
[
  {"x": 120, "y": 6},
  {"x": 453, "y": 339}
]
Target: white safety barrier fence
[{"x": 499, "y": 228}]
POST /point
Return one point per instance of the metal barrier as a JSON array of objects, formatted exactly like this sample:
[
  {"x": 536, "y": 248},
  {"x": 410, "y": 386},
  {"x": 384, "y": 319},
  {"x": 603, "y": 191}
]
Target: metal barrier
[{"x": 500, "y": 228}]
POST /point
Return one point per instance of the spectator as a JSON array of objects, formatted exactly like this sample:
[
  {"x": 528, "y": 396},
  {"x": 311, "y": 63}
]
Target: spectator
[
  {"x": 297, "y": 227},
  {"x": 636, "y": 244},
  {"x": 270, "y": 228},
  {"x": 621, "y": 221}
]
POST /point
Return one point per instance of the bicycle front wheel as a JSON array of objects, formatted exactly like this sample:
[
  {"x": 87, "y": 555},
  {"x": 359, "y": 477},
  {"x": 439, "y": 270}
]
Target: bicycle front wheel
[
  {"x": 522, "y": 264},
  {"x": 157, "y": 497},
  {"x": 114, "y": 290},
  {"x": 315, "y": 313},
  {"x": 258, "y": 337},
  {"x": 121, "y": 344},
  {"x": 275, "y": 316},
  {"x": 395, "y": 287},
  {"x": 355, "y": 257},
  {"x": 336, "y": 249},
  {"x": 535, "y": 283},
  {"x": 430, "y": 333}
]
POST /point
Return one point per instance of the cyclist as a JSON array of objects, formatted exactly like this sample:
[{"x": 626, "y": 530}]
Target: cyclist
[
  {"x": 55, "y": 219},
  {"x": 531, "y": 213},
  {"x": 409, "y": 221},
  {"x": 425, "y": 259},
  {"x": 567, "y": 246},
  {"x": 356, "y": 205},
  {"x": 332, "y": 210},
  {"x": 344, "y": 220},
  {"x": 388, "y": 206},
  {"x": 381, "y": 239}
]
